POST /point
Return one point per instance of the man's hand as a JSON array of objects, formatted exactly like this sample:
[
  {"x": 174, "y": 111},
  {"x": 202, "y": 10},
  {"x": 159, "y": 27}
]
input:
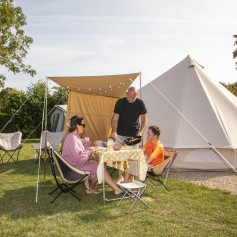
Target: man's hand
[
  {"x": 139, "y": 134},
  {"x": 113, "y": 135}
]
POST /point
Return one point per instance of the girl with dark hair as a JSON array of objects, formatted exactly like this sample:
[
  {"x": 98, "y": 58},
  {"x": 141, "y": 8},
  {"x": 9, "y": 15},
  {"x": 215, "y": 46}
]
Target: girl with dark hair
[{"x": 75, "y": 154}]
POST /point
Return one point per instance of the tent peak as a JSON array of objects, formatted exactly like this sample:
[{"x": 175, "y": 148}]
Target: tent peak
[{"x": 193, "y": 63}]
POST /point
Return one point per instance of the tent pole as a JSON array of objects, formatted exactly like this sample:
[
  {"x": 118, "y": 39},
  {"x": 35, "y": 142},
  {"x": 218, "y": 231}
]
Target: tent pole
[
  {"x": 45, "y": 123},
  {"x": 140, "y": 77}
]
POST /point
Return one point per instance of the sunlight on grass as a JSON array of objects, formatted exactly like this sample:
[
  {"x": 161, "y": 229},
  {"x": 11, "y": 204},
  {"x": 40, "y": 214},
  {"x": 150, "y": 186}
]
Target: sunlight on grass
[{"x": 187, "y": 210}]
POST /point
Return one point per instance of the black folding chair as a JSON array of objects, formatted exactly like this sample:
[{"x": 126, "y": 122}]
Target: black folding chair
[
  {"x": 10, "y": 145},
  {"x": 70, "y": 176},
  {"x": 158, "y": 174}
]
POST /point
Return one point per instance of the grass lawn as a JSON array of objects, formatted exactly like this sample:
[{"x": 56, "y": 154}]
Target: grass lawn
[{"x": 187, "y": 210}]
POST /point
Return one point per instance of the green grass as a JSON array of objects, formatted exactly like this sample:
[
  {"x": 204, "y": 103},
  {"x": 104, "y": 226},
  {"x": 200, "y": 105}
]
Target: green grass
[{"x": 187, "y": 210}]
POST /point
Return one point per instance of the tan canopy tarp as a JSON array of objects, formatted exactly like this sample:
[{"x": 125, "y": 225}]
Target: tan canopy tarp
[
  {"x": 95, "y": 100},
  {"x": 108, "y": 85}
]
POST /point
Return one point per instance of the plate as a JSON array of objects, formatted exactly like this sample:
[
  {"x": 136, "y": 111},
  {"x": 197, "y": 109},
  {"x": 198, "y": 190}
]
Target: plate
[{"x": 127, "y": 148}]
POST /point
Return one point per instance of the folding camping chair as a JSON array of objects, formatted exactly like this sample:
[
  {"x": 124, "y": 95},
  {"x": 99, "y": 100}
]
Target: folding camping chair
[
  {"x": 10, "y": 144},
  {"x": 70, "y": 177},
  {"x": 54, "y": 139},
  {"x": 128, "y": 192},
  {"x": 159, "y": 173}
]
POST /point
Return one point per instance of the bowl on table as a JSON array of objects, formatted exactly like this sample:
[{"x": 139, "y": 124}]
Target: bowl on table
[
  {"x": 133, "y": 140},
  {"x": 117, "y": 147}
]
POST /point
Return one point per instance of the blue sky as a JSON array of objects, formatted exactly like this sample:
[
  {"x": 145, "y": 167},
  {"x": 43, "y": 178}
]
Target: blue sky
[{"x": 98, "y": 37}]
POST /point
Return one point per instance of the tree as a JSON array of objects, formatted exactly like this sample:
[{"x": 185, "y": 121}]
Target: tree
[
  {"x": 59, "y": 95},
  {"x": 29, "y": 116},
  {"x": 12, "y": 101},
  {"x": 14, "y": 43},
  {"x": 235, "y": 51},
  {"x": 232, "y": 87}
]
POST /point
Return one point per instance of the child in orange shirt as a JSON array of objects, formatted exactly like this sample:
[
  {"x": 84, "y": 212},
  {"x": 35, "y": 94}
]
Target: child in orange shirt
[{"x": 153, "y": 148}]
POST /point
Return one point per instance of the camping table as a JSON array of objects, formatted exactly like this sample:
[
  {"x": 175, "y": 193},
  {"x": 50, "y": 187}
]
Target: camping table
[{"x": 129, "y": 160}]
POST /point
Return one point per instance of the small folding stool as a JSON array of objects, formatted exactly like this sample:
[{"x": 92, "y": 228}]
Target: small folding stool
[{"x": 128, "y": 192}]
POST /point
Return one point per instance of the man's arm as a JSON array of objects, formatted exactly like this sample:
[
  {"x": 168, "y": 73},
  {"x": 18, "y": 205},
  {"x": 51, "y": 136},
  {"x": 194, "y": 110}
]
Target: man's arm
[
  {"x": 143, "y": 124},
  {"x": 114, "y": 125}
]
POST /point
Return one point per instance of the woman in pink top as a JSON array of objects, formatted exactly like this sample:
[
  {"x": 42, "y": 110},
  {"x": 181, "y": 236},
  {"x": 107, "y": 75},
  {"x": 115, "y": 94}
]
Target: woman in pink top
[{"x": 75, "y": 154}]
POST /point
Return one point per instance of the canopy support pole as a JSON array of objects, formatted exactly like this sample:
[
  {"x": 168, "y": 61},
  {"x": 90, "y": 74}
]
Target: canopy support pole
[
  {"x": 45, "y": 123},
  {"x": 44, "y": 116},
  {"x": 140, "y": 78}
]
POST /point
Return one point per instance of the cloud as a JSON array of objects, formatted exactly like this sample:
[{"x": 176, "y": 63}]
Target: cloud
[
  {"x": 58, "y": 53},
  {"x": 74, "y": 19}
]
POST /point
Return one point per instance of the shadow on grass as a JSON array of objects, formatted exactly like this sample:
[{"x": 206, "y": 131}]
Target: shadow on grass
[
  {"x": 28, "y": 167},
  {"x": 21, "y": 203},
  {"x": 29, "y": 141}
]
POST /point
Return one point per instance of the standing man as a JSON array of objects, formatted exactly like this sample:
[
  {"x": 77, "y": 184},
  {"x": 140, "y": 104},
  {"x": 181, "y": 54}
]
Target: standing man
[{"x": 125, "y": 121}]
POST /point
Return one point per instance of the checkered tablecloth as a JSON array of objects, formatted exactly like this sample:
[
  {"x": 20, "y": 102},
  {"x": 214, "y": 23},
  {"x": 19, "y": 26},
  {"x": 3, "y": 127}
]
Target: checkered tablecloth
[{"x": 129, "y": 160}]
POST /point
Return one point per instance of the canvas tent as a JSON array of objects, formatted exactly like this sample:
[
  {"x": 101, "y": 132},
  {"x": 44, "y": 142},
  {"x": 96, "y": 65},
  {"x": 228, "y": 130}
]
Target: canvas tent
[
  {"x": 196, "y": 115},
  {"x": 94, "y": 97}
]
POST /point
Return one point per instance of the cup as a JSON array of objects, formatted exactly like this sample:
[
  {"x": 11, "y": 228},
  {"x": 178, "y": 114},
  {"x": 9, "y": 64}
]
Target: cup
[
  {"x": 110, "y": 144},
  {"x": 98, "y": 143}
]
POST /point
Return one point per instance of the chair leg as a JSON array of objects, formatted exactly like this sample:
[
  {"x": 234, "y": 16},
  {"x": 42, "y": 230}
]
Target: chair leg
[
  {"x": 50, "y": 193},
  {"x": 158, "y": 179},
  {"x": 156, "y": 186},
  {"x": 134, "y": 196},
  {"x": 138, "y": 198},
  {"x": 11, "y": 155},
  {"x": 57, "y": 196},
  {"x": 64, "y": 189},
  {"x": 74, "y": 195}
]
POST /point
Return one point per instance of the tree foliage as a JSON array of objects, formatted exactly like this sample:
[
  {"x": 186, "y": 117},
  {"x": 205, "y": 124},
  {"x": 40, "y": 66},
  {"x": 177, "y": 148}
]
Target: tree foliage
[
  {"x": 235, "y": 51},
  {"x": 14, "y": 43},
  {"x": 30, "y": 114},
  {"x": 232, "y": 87}
]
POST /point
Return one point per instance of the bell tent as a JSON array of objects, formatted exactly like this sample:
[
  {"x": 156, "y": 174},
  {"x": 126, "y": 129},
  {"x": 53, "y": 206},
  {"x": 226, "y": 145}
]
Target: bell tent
[{"x": 196, "y": 115}]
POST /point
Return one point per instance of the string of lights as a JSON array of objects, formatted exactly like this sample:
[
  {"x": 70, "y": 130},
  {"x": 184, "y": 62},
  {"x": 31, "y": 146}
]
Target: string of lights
[{"x": 101, "y": 89}]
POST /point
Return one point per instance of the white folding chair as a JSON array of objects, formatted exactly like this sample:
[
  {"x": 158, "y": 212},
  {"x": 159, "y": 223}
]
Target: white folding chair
[
  {"x": 10, "y": 143},
  {"x": 128, "y": 192},
  {"x": 53, "y": 138}
]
